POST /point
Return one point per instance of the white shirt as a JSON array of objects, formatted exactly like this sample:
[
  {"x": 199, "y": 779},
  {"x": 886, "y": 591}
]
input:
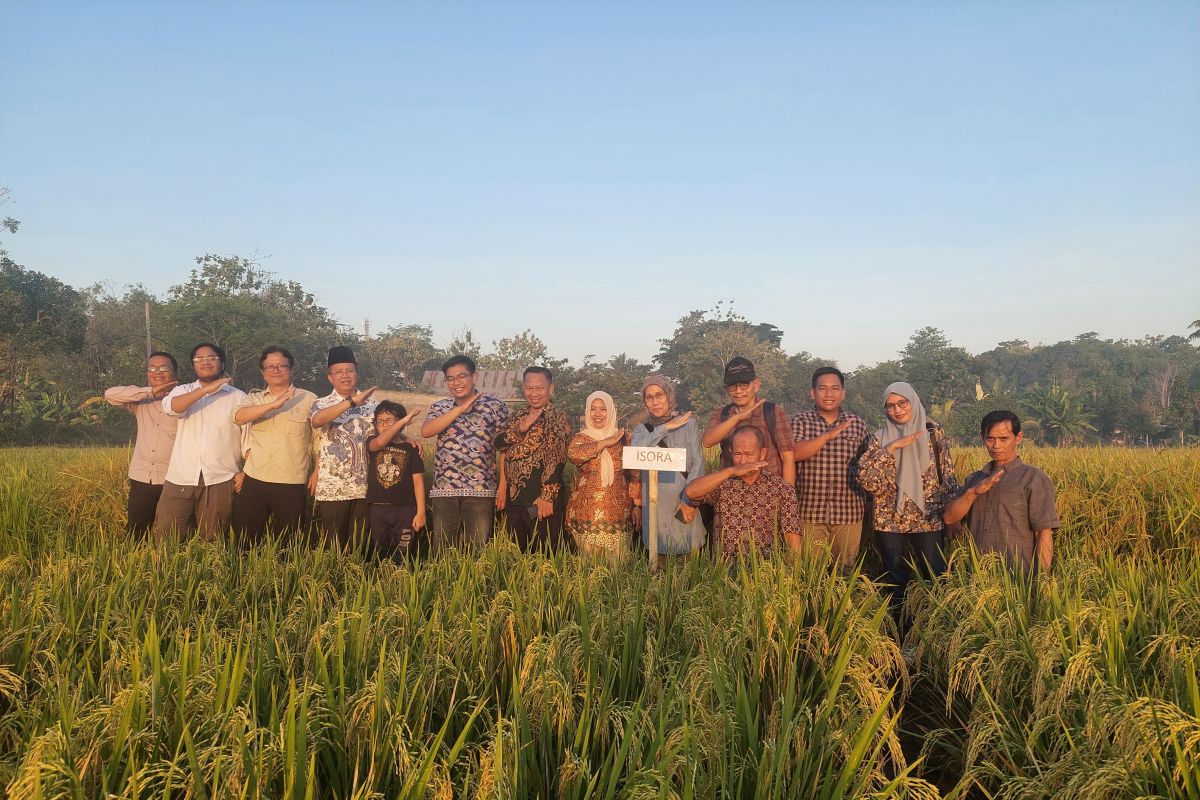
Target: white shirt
[{"x": 208, "y": 444}]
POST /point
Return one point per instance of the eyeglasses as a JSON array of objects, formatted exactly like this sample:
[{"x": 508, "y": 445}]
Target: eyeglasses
[
  {"x": 155, "y": 370},
  {"x": 345, "y": 373},
  {"x": 458, "y": 378},
  {"x": 205, "y": 359},
  {"x": 276, "y": 368},
  {"x": 899, "y": 405}
]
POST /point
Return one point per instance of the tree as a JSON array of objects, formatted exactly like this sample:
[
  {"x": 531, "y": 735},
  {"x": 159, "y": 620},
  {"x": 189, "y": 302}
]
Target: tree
[
  {"x": 41, "y": 319},
  {"x": 621, "y": 376},
  {"x": 936, "y": 369},
  {"x": 1061, "y": 420},
  {"x": 1196, "y": 333},
  {"x": 519, "y": 351},
  {"x": 399, "y": 357},
  {"x": 8, "y": 223}
]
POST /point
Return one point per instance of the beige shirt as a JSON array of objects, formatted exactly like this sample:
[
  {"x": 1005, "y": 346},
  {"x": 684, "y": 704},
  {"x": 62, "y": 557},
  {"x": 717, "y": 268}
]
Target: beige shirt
[
  {"x": 280, "y": 443},
  {"x": 155, "y": 432}
]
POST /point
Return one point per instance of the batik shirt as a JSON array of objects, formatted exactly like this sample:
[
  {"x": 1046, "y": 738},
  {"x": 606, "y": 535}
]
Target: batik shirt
[
  {"x": 827, "y": 492},
  {"x": 877, "y": 475},
  {"x": 341, "y": 450},
  {"x": 752, "y": 514},
  {"x": 533, "y": 460},
  {"x": 465, "y": 465}
]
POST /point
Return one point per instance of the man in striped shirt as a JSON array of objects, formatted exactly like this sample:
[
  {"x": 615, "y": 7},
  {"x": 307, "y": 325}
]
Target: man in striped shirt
[{"x": 828, "y": 442}]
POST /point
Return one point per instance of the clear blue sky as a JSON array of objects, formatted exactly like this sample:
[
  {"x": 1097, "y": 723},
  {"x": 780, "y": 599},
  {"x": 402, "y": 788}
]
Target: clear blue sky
[{"x": 847, "y": 171}]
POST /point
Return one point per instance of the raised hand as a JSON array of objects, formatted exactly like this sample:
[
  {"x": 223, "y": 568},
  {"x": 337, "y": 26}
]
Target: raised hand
[
  {"x": 984, "y": 486},
  {"x": 905, "y": 441},
  {"x": 364, "y": 396},
  {"x": 215, "y": 386},
  {"x": 743, "y": 414},
  {"x": 284, "y": 396},
  {"x": 404, "y": 423},
  {"x": 738, "y": 470},
  {"x": 466, "y": 405},
  {"x": 159, "y": 392},
  {"x": 617, "y": 436},
  {"x": 837, "y": 430},
  {"x": 679, "y": 421},
  {"x": 529, "y": 418}
]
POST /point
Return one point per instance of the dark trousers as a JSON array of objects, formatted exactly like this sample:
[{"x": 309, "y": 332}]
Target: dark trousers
[
  {"x": 341, "y": 520},
  {"x": 392, "y": 533},
  {"x": 143, "y": 502},
  {"x": 462, "y": 520},
  {"x": 530, "y": 532},
  {"x": 260, "y": 501},
  {"x": 900, "y": 553}
]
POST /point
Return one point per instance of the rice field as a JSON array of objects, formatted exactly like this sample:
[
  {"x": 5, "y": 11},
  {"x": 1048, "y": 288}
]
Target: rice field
[{"x": 132, "y": 669}]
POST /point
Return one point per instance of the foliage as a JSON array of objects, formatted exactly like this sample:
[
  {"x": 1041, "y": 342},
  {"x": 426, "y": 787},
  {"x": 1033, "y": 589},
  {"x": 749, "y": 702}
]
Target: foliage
[
  {"x": 41, "y": 319},
  {"x": 399, "y": 357},
  {"x": 941, "y": 371},
  {"x": 34, "y": 410}
]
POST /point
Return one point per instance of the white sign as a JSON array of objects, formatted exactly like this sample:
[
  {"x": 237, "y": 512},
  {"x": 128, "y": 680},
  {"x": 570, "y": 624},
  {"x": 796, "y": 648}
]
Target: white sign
[{"x": 667, "y": 459}]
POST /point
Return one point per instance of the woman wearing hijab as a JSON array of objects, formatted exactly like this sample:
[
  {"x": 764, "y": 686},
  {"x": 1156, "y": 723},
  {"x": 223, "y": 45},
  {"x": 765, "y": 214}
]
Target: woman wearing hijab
[
  {"x": 598, "y": 512},
  {"x": 680, "y": 529},
  {"x": 908, "y": 471}
]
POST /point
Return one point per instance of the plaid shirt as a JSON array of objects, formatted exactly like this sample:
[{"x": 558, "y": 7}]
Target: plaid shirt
[{"x": 827, "y": 491}]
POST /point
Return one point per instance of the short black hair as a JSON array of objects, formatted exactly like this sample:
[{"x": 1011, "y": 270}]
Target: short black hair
[
  {"x": 391, "y": 407},
  {"x": 762, "y": 440},
  {"x": 166, "y": 355},
  {"x": 538, "y": 371},
  {"x": 216, "y": 348},
  {"x": 822, "y": 371},
  {"x": 283, "y": 351},
  {"x": 454, "y": 361},
  {"x": 994, "y": 418}
]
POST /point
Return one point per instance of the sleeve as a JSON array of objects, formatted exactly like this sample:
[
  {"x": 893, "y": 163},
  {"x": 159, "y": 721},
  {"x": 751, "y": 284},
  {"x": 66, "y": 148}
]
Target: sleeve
[
  {"x": 949, "y": 488},
  {"x": 166, "y": 401},
  {"x": 510, "y": 434},
  {"x": 557, "y": 431},
  {"x": 127, "y": 395},
  {"x": 1042, "y": 513},
  {"x": 972, "y": 479},
  {"x": 317, "y": 405},
  {"x": 798, "y": 429},
  {"x": 714, "y": 419},
  {"x": 876, "y": 471},
  {"x": 695, "y": 458},
  {"x": 784, "y": 439},
  {"x": 501, "y": 414},
  {"x": 582, "y": 449},
  {"x": 789, "y": 513},
  {"x": 436, "y": 410}
]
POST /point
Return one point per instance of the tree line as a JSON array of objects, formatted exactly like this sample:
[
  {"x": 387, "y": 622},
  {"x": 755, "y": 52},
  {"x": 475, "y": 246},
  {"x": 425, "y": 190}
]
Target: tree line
[{"x": 61, "y": 346}]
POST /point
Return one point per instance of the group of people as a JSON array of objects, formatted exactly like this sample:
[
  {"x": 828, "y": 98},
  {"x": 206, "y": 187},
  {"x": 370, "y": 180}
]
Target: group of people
[{"x": 793, "y": 483}]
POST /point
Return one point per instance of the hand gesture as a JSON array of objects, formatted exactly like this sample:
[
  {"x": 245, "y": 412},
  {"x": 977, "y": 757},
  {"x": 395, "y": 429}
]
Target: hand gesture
[
  {"x": 687, "y": 512},
  {"x": 284, "y": 396},
  {"x": 530, "y": 417},
  {"x": 743, "y": 414},
  {"x": 618, "y": 436},
  {"x": 679, "y": 421},
  {"x": 738, "y": 470},
  {"x": 905, "y": 441},
  {"x": 363, "y": 396},
  {"x": 404, "y": 423},
  {"x": 469, "y": 402},
  {"x": 159, "y": 392},
  {"x": 215, "y": 386},
  {"x": 984, "y": 486}
]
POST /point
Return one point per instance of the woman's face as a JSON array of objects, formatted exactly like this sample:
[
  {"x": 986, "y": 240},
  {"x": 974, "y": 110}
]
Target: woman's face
[
  {"x": 656, "y": 401},
  {"x": 898, "y": 409},
  {"x": 598, "y": 413}
]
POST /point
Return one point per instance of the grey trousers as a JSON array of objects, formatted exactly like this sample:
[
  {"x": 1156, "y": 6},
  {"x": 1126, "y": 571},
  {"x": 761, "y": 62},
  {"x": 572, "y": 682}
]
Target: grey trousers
[
  {"x": 202, "y": 509},
  {"x": 461, "y": 521}
]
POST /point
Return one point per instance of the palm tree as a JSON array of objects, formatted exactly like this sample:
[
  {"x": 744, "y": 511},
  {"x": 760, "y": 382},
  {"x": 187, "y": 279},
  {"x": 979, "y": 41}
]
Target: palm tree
[
  {"x": 1196, "y": 333},
  {"x": 1061, "y": 419}
]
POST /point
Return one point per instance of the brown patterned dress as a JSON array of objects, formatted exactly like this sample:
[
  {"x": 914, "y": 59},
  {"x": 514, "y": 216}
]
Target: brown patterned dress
[
  {"x": 598, "y": 516},
  {"x": 877, "y": 475}
]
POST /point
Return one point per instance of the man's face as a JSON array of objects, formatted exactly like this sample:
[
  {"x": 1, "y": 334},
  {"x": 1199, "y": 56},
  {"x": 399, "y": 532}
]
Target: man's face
[
  {"x": 656, "y": 401},
  {"x": 343, "y": 378},
  {"x": 159, "y": 371},
  {"x": 743, "y": 394},
  {"x": 898, "y": 409},
  {"x": 537, "y": 390},
  {"x": 207, "y": 364},
  {"x": 1001, "y": 442},
  {"x": 460, "y": 381},
  {"x": 828, "y": 394},
  {"x": 745, "y": 450},
  {"x": 276, "y": 371}
]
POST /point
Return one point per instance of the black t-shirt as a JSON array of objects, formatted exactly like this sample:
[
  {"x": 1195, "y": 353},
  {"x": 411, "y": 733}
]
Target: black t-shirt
[{"x": 390, "y": 474}]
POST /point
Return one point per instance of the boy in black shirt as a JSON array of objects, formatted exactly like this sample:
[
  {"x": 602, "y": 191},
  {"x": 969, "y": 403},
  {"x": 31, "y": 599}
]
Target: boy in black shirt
[{"x": 395, "y": 483}]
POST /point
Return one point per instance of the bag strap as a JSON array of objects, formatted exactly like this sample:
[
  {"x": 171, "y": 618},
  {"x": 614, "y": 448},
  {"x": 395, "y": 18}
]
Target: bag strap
[{"x": 937, "y": 456}]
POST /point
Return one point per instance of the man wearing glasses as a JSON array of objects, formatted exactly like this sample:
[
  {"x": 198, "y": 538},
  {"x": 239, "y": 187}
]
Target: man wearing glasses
[
  {"x": 465, "y": 479},
  {"x": 155, "y": 438},
  {"x": 342, "y": 419},
  {"x": 279, "y": 453},
  {"x": 198, "y": 491}
]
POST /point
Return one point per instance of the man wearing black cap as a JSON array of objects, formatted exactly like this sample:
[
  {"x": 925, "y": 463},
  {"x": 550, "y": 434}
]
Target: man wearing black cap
[
  {"x": 743, "y": 386},
  {"x": 342, "y": 420}
]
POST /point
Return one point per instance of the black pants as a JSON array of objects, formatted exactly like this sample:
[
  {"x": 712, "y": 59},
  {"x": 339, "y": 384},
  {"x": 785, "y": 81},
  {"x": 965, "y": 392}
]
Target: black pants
[
  {"x": 392, "y": 533},
  {"x": 143, "y": 502},
  {"x": 341, "y": 521},
  {"x": 260, "y": 501},
  {"x": 900, "y": 553},
  {"x": 530, "y": 532}
]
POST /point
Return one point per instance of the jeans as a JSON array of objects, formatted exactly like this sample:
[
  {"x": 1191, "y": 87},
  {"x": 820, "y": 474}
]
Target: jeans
[
  {"x": 899, "y": 553},
  {"x": 462, "y": 520}
]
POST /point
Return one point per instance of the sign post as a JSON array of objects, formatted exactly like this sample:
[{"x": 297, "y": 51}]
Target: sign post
[{"x": 653, "y": 460}]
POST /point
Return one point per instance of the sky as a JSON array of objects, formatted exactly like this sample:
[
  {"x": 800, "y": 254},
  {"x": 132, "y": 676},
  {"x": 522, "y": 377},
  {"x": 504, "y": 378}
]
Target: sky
[{"x": 849, "y": 172}]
